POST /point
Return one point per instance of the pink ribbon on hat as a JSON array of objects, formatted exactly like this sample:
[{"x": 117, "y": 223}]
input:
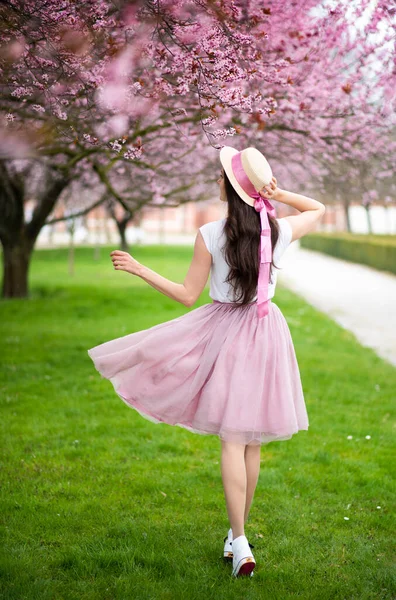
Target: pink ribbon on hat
[{"x": 260, "y": 204}]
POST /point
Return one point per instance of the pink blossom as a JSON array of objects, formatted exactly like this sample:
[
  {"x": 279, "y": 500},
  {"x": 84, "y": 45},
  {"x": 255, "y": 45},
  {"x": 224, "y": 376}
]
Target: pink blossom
[
  {"x": 209, "y": 121},
  {"x": 115, "y": 146},
  {"x": 222, "y": 133},
  {"x": 133, "y": 153},
  {"x": 89, "y": 138},
  {"x": 22, "y": 91},
  {"x": 60, "y": 114}
]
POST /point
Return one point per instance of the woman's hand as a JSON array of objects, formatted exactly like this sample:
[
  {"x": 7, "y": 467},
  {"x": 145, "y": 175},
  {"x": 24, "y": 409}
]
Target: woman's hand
[
  {"x": 270, "y": 190},
  {"x": 123, "y": 261}
]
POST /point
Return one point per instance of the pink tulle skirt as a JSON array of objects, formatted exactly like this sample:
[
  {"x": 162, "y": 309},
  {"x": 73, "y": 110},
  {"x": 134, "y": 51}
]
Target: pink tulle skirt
[{"x": 216, "y": 370}]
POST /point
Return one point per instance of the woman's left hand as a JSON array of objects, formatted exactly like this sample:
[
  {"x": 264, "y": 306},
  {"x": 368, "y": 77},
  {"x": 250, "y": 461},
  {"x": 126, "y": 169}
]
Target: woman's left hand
[{"x": 123, "y": 261}]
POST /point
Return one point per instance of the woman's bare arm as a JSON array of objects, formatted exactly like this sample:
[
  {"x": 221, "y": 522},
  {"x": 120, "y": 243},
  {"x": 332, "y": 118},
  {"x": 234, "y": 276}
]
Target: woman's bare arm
[
  {"x": 311, "y": 210},
  {"x": 187, "y": 292}
]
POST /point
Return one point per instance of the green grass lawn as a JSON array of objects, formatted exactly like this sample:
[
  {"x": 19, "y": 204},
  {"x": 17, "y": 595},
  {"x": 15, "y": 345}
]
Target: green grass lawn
[{"x": 99, "y": 503}]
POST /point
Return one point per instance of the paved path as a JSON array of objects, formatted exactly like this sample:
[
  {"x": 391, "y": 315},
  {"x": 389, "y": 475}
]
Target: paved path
[{"x": 359, "y": 298}]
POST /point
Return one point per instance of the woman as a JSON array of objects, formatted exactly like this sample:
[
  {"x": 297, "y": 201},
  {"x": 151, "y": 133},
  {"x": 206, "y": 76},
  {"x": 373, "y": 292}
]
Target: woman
[{"x": 227, "y": 368}]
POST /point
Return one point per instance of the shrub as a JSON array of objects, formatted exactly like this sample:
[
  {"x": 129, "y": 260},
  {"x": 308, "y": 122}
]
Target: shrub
[{"x": 377, "y": 251}]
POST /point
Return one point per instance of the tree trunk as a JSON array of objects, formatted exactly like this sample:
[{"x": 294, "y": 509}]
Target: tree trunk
[
  {"x": 122, "y": 225},
  {"x": 17, "y": 237},
  {"x": 16, "y": 261},
  {"x": 369, "y": 224},
  {"x": 345, "y": 204}
]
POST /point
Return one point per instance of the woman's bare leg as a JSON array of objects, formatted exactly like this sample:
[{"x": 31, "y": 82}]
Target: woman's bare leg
[
  {"x": 233, "y": 472},
  {"x": 252, "y": 464}
]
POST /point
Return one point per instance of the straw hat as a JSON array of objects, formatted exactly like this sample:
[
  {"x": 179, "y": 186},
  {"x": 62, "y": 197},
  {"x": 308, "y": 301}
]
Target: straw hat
[{"x": 255, "y": 166}]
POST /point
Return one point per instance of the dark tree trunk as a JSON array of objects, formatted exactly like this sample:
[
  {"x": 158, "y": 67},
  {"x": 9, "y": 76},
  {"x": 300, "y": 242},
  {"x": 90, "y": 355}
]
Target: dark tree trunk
[
  {"x": 16, "y": 260},
  {"x": 17, "y": 237},
  {"x": 122, "y": 225}
]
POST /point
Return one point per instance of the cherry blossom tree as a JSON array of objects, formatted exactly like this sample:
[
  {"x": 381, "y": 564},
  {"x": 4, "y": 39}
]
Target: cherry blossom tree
[{"x": 96, "y": 84}]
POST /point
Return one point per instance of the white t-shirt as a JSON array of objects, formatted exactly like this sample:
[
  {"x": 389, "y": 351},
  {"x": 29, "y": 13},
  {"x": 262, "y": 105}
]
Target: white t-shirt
[{"x": 214, "y": 239}]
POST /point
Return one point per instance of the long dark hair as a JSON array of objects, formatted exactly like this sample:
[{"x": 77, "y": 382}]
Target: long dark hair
[{"x": 242, "y": 230}]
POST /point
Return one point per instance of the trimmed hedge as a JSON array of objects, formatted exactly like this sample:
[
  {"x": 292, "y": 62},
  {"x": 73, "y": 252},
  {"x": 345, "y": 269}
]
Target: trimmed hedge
[{"x": 377, "y": 251}]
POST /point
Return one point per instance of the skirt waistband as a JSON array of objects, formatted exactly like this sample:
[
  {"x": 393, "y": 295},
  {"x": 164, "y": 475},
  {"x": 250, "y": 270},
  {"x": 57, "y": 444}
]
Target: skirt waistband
[{"x": 236, "y": 303}]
